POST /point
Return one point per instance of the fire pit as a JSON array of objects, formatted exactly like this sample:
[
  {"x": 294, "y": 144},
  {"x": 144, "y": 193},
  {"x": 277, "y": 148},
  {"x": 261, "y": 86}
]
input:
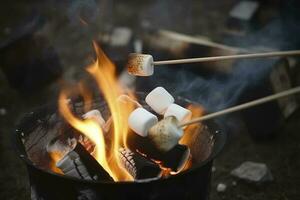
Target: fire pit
[
  {"x": 114, "y": 147},
  {"x": 193, "y": 183}
]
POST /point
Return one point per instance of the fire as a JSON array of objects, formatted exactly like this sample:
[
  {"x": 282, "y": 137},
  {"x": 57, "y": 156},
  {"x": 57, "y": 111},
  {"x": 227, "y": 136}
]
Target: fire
[
  {"x": 55, "y": 157},
  {"x": 192, "y": 130},
  {"x": 103, "y": 71}
]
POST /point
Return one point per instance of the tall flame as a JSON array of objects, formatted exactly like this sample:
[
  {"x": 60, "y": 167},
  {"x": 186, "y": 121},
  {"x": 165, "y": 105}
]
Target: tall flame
[{"x": 103, "y": 71}]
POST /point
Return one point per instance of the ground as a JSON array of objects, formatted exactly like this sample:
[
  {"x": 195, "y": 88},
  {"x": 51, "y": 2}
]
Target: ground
[{"x": 72, "y": 43}]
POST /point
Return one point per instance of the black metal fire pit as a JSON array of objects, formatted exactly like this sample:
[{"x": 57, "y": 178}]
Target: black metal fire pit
[{"x": 193, "y": 183}]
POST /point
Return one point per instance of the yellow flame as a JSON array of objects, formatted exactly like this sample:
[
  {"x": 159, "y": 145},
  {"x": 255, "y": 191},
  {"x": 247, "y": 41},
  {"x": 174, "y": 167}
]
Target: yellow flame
[
  {"x": 103, "y": 71},
  {"x": 88, "y": 127},
  {"x": 87, "y": 96}
]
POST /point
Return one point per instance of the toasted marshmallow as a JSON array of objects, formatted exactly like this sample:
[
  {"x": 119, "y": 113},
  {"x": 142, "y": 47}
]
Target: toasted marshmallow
[
  {"x": 165, "y": 134},
  {"x": 140, "y": 121},
  {"x": 159, "y": 100},
  {"x": 140, "y": 64}
]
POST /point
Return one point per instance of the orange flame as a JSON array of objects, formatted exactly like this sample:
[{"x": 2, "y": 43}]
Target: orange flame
[
  {"x": 55, "y": 157},
  {"x": 192, "y": 130},
  {"x": 103, "y": 71}
]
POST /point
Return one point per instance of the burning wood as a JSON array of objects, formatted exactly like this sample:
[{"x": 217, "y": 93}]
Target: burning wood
[
  {"x": 97, "y": 116},
  {"x": 80, "y": 164},
  {"x": 138, "y": 166}
]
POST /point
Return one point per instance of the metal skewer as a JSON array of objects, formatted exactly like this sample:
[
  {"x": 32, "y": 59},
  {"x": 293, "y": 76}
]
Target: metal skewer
[
  {"x": 230, "y": 57},
  {"x": 243, "y": 106}
]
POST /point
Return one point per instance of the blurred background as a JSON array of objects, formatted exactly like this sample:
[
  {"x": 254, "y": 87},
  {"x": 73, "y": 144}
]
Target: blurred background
[{"x": 44, "y": 44}]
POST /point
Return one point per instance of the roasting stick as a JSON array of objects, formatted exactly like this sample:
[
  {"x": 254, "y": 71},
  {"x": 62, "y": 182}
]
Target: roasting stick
[
  {"x": 243, "y": 106},
  {"x": 230, "y": 57},
  {"x": 143, "y": 64}
]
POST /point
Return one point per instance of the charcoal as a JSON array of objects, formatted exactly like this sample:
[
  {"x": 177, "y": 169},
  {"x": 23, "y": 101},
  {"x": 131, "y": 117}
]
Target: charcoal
[
  {"x": 138, "y": 166},
  {"x": 80, "y": 164}
]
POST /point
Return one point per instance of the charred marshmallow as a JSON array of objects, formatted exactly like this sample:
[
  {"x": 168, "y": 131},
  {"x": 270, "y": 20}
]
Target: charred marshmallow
[
  {"x": 140, "y": 121},
  {"x": 181, "y": 114},
  {"x": 159, "y": 100},
  {"x": 140, "y": 64}
]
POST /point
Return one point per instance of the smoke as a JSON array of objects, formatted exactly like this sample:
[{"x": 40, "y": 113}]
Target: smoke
[
  {"x": 216, "y": 92},
  {"x": 163, "y": 14},
  {"x": 86, "y": 10}
]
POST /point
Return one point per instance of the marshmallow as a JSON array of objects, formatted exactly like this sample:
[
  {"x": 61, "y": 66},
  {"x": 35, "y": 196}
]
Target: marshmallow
[
  {"x": 181, "y": 114},
  {"x": 140, "y": 64},
  {"x": 95, "y": 115},
  {"x": 165, "y": 134},
  {"x": 159, "y": 100},
  {"x": 140, "y": 120}
]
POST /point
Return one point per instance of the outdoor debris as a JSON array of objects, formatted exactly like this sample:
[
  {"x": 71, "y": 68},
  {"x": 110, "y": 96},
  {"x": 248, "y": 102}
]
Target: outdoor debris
[
  {"x": 242, "y": 17},
  {"x": 213, "y": 169},
  {"x": 221, "y": 187},
  {"x": 253, "y": 172},
  {"x": 2, "y": 111}
]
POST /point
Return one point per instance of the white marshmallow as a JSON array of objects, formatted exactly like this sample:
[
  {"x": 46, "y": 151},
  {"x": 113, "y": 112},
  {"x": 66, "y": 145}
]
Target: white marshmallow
[
  {"x": 140, "y": 64},
  {"x": 96, "y": 115},
  {"x": 140, "y": 121},
  {"x": 159, "y": 100},
  {"x": 182, "y": 114}
]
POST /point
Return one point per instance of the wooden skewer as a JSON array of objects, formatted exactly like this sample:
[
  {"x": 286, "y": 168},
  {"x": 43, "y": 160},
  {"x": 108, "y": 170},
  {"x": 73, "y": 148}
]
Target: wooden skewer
[
  {"x": 230, "y": 57},
  {"x": 243, "y": 106}
]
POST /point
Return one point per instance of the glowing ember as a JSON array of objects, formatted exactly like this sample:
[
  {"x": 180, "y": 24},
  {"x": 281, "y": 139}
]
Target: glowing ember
[
  {"x": 55, "y": 157},
  {"x": 103, "y": 71}
]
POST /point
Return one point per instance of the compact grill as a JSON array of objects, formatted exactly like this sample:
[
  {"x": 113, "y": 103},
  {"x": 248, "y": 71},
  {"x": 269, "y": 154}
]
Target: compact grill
[{"x": 37, "y": 127}]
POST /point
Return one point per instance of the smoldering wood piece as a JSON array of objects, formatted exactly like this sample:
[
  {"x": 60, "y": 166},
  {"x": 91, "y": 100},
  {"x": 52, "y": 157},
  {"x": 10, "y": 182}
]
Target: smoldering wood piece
[
  {"x": 87, "y": 143},
  {"x": 40, "y": 131},
  {"x": 80, "y": 164},
  {"x": 138, "y": 166}
]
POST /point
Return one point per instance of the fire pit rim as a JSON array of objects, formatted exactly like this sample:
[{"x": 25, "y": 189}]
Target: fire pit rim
[{"x": 220, "y": 141}]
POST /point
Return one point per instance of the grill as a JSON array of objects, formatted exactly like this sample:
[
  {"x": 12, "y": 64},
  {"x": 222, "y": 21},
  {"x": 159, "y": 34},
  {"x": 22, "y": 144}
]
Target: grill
[{"x": 36, "y": 128}]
